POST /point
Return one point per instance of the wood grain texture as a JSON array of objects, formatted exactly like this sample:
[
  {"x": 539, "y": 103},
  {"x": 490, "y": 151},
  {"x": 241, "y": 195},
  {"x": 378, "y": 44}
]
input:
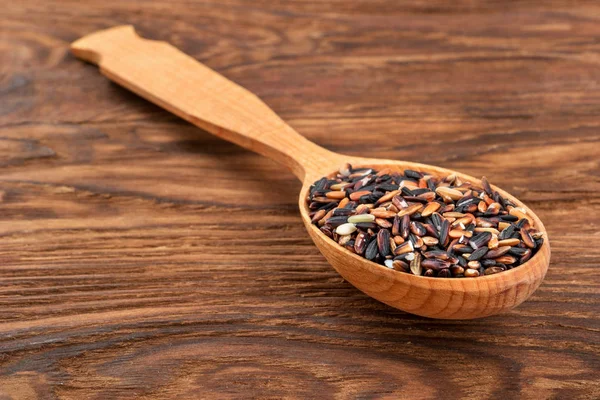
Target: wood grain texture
[
  {"x": 132, "y": 267},
  {"x": 167, "y": 77}
]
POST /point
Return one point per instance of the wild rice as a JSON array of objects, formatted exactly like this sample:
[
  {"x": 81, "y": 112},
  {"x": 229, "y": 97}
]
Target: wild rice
[{"x": 416, "y": 223}]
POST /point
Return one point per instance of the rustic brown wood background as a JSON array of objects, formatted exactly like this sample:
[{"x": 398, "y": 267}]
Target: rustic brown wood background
[{"x": 143, "y": 257}]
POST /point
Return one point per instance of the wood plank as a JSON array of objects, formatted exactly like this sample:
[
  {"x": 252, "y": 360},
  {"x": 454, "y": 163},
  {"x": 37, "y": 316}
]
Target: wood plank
[{"x": 133, "y": 267}]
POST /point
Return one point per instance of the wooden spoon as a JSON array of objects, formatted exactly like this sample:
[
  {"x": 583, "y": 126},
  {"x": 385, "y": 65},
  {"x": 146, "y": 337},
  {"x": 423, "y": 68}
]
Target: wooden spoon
[{"x": 175, "y": 81}]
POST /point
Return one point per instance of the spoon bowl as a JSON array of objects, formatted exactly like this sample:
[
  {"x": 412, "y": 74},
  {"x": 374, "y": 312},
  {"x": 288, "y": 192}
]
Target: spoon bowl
[
  {"x": 443, "y": 298},
  {"x": 175, "y": 81}
]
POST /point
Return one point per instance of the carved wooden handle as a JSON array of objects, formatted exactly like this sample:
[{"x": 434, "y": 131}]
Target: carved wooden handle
[{"x": 177, "y": 82}]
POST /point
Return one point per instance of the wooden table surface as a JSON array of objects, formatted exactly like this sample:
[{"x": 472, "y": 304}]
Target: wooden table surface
[{"x": 143, "y": 257}]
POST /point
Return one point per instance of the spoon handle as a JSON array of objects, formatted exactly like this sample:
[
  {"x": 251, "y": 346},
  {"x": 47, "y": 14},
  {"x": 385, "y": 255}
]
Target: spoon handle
[{"x": 173, "y": 80}]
